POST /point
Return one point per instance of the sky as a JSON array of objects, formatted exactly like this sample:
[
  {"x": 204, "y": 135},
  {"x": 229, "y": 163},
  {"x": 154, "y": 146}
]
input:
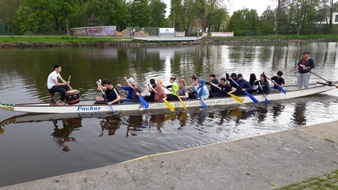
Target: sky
[{"x": 234, "y": 5}]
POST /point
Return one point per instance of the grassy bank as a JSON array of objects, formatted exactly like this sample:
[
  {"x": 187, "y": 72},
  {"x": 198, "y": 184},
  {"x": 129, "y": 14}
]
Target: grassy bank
[
  {"x": 329, "y": 181},
  {"x": 60, "y": 41}
]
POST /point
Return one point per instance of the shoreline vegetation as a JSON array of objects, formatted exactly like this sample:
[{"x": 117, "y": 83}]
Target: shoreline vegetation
[{"x": 89, "y": 41}]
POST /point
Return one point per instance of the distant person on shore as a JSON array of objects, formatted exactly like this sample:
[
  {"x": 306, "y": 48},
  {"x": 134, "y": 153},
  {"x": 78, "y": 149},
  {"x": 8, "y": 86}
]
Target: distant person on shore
[
  {"x": 304, "y": 68},
  {"x": 55, "y": 83}
]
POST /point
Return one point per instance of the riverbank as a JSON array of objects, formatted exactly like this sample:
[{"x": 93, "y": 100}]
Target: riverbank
[
  {"x": 262, "y": 162},
  {"x": 65, "y": 41}
]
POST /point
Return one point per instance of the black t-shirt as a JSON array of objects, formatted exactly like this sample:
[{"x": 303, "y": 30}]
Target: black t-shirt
[
  {"x": 225, "y": 89},
  {"x": 279, "y": 81},
  {"x": 111, "y": 94}
]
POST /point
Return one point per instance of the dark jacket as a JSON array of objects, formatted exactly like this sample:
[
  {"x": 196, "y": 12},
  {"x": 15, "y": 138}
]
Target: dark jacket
[{"x": 310, "y": 64}]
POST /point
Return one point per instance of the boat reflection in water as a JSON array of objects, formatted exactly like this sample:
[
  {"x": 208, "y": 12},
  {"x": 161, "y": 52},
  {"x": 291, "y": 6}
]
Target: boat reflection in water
[
  {"x": 63, "y": 135},
  {"x": 111, "y": 124}
]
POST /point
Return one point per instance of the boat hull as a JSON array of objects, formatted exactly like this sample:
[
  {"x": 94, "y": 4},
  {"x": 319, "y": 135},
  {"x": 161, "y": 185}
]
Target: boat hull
[{"x": 90, "y": 107}]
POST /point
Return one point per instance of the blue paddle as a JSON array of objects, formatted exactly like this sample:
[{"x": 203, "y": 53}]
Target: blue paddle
[
  {"x": 266, "y": 101},
  {"x": 278, "y": 86},
  {"x": 248, "y": 94},
  {"x": 142, "y": 100}
]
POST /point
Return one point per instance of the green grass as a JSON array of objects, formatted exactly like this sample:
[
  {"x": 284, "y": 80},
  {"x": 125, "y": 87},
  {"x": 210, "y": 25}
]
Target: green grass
[
  {"x": 327, "y": 182},
  {"x": 101, "y": 41}
]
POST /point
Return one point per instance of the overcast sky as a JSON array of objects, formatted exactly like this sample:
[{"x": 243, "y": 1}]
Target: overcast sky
[{"x": 234, "y": 5}]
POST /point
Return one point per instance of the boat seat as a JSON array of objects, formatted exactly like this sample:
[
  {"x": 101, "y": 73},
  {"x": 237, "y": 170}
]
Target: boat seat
[{"x": 52, "y": 97}]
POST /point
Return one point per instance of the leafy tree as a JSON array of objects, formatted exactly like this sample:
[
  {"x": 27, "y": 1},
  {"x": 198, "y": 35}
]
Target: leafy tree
[
  {"x": 218, "y": 22},
  {"x": 157, "y": 13},
  {"x": 244, "y": 22},
  {"x": 7, "y": 13},
  {"x": 140, "y": 13},
  {"x": 267, "y": 21}
]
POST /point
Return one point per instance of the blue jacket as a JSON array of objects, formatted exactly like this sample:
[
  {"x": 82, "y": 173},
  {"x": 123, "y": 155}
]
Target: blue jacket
[{"x": 243, "y": 84}]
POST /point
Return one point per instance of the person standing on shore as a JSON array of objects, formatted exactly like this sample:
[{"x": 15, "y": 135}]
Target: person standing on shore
[
  {"x": 55, "y": 83},
  {"x": 304, "y": 68}
]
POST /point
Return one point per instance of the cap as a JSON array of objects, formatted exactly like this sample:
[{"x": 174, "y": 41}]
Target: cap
[
  {"x": 131, "y": 81},
  {"x": 306, "y": 52}
]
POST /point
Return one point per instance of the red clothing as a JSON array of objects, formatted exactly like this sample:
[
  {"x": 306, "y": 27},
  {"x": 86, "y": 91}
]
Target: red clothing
[{"x": 160, "y": 94}]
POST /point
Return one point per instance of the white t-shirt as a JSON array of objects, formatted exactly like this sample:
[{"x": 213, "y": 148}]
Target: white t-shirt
[{"x": 51, "y": 77}]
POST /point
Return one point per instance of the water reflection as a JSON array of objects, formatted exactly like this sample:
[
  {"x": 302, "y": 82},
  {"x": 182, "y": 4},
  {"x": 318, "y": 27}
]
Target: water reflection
[
  {"x": 110, "y": 124},
  {"x": 63, "y": 135},
  {"x": 299, "y": 114},
  {"x": 126, "y": 136}
]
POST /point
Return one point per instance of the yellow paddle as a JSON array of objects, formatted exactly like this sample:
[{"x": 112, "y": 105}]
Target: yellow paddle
[
  {"x": 169, "y": 105},
  {"x": 173, "y": 91},
  {"x": 238, "y": 99}
]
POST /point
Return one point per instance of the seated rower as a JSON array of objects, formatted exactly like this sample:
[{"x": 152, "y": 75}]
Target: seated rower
[
  {"x": 243, "y": 85},
  {"x": 213, "y": 89},
  {"x": 128, "y": 98},
  {"x": 111, "y": 94},
  {"x": 234, "y": 77},
  {"x": 263, "y": 85},
  {"x": 103, "y": 83},
  {"x": 182, "y": 90},
  {"x": 193, "y": 86},
  {"x": 225, "y": 88},
  {"x": 173, "y": 87},
  {"x": 160, "y": 95},
  {"x": 150, "y": 86},
  {"x": 136, "y": 92},
  {"x": 202, "y": 91},
  {"x": 278, "y": 79}
]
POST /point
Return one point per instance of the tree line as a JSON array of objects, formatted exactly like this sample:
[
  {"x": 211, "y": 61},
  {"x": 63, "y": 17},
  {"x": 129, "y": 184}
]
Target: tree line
[{"x": 57, "y": 16}]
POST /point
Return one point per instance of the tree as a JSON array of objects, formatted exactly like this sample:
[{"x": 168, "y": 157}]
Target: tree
[
  {"x": 140, "y": 13},
  {"x": 46, "y": 15},
  {"x": 267, "y": 21},
  {"x": 244, "y": 22},
  {"x": 218, "y": 22},
  {"x": 7, "y": 13},
  {"x": 157, "y": 13}
]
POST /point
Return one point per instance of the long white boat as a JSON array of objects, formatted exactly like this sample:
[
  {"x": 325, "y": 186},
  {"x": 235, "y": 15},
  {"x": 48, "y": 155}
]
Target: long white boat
[{"x": 89, "y": 106}]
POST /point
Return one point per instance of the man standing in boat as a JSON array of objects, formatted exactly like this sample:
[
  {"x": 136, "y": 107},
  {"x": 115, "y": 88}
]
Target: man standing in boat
[
  {"x": 304, "y": 68},
  {"x": 55, "y": 83}
]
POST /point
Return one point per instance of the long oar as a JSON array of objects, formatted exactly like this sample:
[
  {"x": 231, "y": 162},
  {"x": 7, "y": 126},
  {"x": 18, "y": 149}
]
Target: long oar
[
  {"x": 278, "y": 86},
  {"x": 183, "y": 104},
  {"x": 238, "y": 99},
  {"x": 266, "y": 101},
  {"x": 173, "y": 91},
  {"x": 169, "y": 105},
  {"x": 330, "y": 82},
  {"x": 142, "y": 100},
  {"x": 105, "y": 98},
  {"x": 248, "y": 94}
]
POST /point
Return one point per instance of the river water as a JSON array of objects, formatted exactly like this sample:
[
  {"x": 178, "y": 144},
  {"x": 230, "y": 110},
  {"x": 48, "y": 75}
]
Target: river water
[{"x": 39, "y": 146}]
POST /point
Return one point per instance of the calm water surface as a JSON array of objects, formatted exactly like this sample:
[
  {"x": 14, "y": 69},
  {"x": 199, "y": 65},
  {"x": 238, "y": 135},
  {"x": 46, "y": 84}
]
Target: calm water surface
[{"x": 40, "y": 146}]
